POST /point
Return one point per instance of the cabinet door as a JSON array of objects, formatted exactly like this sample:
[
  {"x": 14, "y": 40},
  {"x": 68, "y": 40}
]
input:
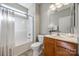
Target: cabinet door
[
  {"x": 60, "y": 51},
  {"x": 48, "y": 47},
  {"x": 49, "y": 50},
  {"x": 65, "y": 49}
]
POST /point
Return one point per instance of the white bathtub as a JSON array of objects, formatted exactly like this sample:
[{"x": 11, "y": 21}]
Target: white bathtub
[{"x": 21, "y": 47}]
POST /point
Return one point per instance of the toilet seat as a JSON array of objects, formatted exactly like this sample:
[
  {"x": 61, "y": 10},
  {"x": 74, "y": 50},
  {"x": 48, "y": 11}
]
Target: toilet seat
[{"x": 36, "y": 44}]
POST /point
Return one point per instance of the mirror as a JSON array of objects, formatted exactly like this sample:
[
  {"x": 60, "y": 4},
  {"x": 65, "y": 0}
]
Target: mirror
[{"x": 62, "y": 18}]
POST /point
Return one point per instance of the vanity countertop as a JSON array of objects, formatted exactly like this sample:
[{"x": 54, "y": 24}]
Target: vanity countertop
[{"x": 68, "y": 39}]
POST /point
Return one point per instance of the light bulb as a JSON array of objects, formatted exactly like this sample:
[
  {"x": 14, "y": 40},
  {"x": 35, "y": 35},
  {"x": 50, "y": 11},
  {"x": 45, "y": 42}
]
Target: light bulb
[
  {"x": 59, "y": 5},
  {"x": 52, "y": 7}
]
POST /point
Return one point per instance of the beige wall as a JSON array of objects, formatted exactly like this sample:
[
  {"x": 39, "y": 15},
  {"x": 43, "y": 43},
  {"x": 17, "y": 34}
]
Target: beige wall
[
  {"x": 44, "y": 8},
  {"x": 37, "y": 19}
]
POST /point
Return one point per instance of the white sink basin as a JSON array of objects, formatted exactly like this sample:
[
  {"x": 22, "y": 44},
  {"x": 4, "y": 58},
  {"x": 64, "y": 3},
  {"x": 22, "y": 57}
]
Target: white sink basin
[{"x": 64, "y": 35}]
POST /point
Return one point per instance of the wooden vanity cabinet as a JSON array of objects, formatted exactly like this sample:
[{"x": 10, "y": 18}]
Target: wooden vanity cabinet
[{"x": 54, "y": 47}]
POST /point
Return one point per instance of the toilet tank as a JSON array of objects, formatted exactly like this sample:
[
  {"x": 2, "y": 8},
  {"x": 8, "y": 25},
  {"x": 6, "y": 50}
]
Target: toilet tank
[{"x": 40, "y": 38}]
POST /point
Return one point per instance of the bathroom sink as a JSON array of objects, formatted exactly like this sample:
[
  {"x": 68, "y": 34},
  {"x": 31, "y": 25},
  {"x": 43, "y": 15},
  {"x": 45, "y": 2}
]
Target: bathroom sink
[
  {"x": 64, "y": 35},
  {"x": 68, "y": 35}
]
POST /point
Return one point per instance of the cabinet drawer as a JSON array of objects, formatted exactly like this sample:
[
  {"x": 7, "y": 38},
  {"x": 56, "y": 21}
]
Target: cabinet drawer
[
  {"x": 70, "y": 46},
  {"x": 61, "y": 51},
  {"x": 64, "y": 52}
]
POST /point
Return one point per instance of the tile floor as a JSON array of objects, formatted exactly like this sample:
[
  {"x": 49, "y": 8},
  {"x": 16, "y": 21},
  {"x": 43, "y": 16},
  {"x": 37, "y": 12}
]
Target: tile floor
[{"x": 27, "y": 53}]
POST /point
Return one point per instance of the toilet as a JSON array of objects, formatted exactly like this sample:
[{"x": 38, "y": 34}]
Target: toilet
[{"x": 37, "y": 46}]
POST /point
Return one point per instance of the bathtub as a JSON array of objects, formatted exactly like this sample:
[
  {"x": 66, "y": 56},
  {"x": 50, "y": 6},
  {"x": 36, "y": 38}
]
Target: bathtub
[{"x": 21, "y": 47}]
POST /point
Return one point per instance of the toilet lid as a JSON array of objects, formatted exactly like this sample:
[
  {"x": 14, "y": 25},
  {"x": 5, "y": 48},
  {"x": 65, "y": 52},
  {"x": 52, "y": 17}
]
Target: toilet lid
[{"x": 36, "y": 44}]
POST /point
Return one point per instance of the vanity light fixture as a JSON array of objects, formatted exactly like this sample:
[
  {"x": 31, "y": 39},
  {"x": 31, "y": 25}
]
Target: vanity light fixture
[
  {"x": 55, "y": 6},
  {"x": 52, "y": 7},
  {"x": 59, "y": 5},
  {"x": 65, "y": 3}
]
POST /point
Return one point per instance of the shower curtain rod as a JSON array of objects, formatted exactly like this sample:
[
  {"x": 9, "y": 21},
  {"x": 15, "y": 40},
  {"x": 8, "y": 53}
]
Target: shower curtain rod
[{"x": 13, "y": 10}]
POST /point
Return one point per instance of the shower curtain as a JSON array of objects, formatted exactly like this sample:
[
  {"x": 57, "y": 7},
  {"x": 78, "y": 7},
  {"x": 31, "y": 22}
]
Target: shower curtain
[{"x": 6, "y": 32}]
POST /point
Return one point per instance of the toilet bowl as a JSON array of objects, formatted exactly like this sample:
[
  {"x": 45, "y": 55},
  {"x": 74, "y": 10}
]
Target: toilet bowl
[{"x": 37, "y": 46}]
